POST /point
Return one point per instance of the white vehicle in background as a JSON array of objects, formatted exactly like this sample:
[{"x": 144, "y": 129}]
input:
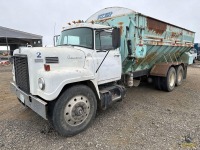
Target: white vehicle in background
[
  {"x": 192, "y": 56},
  {"x": 193, "y": 53}
]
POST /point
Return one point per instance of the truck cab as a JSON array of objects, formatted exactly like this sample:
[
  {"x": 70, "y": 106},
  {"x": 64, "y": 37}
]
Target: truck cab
[
  {"x": 71, "y": 78},
  {"x": 96, "y": 41}
]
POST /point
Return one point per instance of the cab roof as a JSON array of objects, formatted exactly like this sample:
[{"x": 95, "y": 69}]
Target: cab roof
[{"x": 86, "y": 25}]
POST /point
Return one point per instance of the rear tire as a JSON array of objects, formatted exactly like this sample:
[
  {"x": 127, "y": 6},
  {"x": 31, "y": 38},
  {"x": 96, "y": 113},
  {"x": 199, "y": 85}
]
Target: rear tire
[
  {"x": 74, "y": 110},
  {"x": 169, "y": 81},
  {"x": 179, "y": 75}
]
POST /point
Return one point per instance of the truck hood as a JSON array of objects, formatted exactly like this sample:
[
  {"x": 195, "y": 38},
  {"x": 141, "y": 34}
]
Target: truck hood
[
  {"x": 67, "y": 65},
  {"x": 55, "y": 56}
]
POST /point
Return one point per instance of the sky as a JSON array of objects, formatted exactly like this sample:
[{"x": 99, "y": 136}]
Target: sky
[{"x": 47, "y": 17}]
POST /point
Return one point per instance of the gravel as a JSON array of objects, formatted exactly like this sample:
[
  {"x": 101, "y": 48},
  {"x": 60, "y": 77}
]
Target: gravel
[{"x": 145, "y": 119}]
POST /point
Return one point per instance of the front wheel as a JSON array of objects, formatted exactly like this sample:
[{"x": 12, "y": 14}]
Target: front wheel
[{"x": 74, "y": 110}]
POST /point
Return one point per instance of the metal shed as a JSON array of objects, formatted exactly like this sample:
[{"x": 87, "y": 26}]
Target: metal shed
[{"x": 16, "y": 38}]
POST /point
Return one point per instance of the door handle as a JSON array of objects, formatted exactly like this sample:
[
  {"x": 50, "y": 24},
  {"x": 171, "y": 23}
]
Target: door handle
[{"x": 116, "y": 55}]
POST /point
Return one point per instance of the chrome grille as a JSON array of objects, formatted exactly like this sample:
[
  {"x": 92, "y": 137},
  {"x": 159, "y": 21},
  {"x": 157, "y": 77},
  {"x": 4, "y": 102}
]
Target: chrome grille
[{"x": 21, "y": 73}]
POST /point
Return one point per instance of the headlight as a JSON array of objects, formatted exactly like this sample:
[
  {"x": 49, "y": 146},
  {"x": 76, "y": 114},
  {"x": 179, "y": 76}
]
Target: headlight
[{"x": 41, "y": 83}]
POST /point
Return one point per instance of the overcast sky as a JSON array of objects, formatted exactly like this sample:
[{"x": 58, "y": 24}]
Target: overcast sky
[{"x": 41, "y": 16}]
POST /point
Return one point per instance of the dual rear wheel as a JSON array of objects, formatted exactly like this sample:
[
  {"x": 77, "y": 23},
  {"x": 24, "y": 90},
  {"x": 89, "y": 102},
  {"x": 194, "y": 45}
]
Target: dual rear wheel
[{"x": 174, "y": 78}]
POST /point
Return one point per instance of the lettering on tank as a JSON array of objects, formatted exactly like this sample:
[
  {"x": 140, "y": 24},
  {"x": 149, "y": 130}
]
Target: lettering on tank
[{"x": 105, "y": 15}]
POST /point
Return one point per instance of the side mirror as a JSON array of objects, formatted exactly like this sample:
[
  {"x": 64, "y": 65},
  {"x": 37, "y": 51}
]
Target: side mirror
[
  {"x": 55, "y": 39},
  {"x": 116, "y": 38}
]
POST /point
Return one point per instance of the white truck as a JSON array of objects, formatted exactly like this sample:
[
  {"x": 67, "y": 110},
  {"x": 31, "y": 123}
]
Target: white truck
[{"x": 94, "y": 62}]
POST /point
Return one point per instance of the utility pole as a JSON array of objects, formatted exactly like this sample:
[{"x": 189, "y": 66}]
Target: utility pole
[
  {"x": 7, "y": 47},
  {"x": 7, "y": 42}
]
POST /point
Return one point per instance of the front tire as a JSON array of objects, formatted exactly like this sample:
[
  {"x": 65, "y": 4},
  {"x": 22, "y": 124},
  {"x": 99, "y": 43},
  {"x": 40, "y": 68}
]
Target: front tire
[{"x": 74, "y": 110}]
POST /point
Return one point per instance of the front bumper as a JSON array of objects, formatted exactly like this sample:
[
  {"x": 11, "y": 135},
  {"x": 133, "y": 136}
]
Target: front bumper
[{"x": 36, "y": 104}]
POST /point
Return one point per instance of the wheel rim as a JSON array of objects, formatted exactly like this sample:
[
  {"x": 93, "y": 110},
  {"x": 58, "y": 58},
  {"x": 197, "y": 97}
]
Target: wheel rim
[
  {"x": 172, "y": 79},
  {"x": 180, "y": 76},
  {"x": 77, "y": 110}
]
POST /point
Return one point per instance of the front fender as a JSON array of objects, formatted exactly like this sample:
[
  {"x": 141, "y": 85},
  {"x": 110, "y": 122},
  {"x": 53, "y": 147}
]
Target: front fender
[{"x": 56, "y": 80}]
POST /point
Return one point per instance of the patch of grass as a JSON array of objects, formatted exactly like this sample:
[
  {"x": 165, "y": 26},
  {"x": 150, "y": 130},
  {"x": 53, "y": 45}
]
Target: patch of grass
[{"x": 188, "y": 145}]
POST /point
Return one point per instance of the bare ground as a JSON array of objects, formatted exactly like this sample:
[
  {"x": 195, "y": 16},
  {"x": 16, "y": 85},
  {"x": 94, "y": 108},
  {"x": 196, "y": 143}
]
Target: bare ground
[{"x": 145, "y": 119}]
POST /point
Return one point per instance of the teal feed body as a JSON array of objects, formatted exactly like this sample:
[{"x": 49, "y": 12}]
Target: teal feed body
[{"x": 145, "y": 41}]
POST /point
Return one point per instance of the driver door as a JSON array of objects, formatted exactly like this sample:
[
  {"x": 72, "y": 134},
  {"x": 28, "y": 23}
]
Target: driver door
[{"x": 108, "y": 59}]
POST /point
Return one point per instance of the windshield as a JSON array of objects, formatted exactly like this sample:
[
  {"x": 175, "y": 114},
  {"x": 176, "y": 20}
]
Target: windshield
[{"x": 82, "y": 37}]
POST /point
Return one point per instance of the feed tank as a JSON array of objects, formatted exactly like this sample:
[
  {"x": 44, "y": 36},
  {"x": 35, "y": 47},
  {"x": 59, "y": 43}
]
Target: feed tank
[{"x": 145, "y": 41}]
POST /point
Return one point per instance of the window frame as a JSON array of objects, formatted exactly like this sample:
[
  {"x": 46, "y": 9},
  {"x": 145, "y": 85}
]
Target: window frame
[
  {"x": 100, "y": 40},
  {"x": 92, "y": 48}
]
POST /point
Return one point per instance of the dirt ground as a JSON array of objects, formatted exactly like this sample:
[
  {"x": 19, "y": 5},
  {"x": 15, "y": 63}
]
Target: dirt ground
[{"x": 145, "y": 119}]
